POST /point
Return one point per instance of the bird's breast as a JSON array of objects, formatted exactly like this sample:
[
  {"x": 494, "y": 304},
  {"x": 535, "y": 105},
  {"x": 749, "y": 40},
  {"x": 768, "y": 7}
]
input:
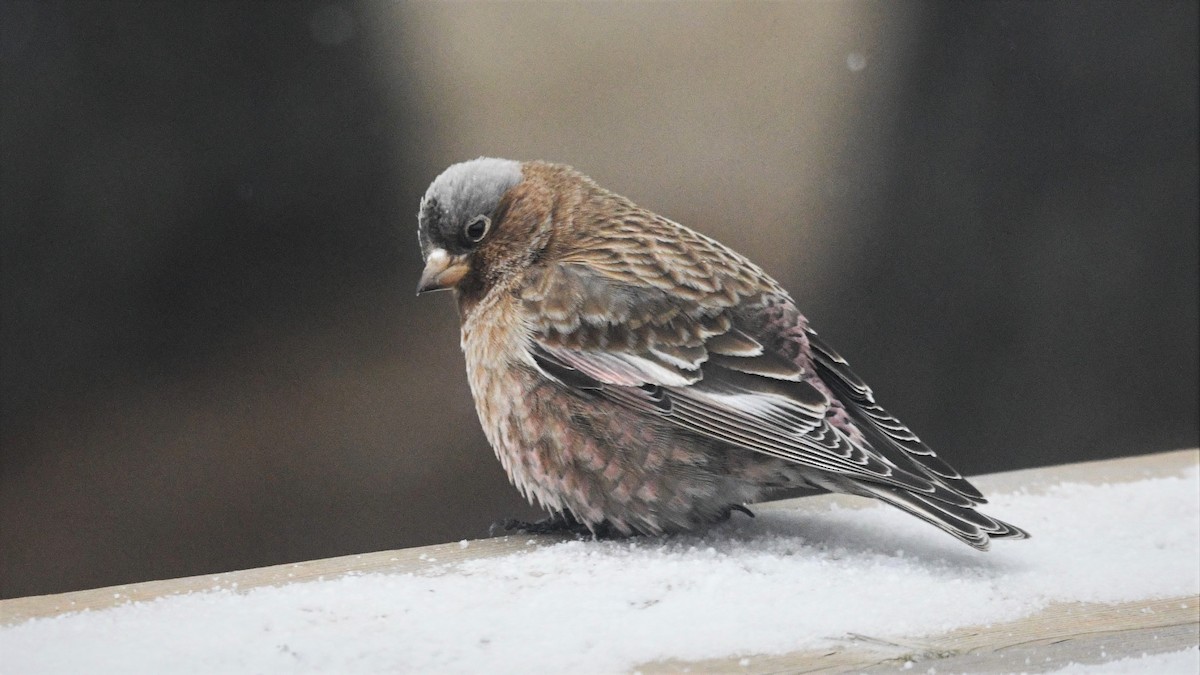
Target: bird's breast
[{"x": 494, "y": 339}]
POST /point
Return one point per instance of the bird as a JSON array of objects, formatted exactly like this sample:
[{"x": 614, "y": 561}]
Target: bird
[{"x": 636, "y": 377}]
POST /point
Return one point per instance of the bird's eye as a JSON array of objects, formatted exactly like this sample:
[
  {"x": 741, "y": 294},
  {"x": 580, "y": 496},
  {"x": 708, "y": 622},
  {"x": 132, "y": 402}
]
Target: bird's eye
[{"x": 477, "y": 229}]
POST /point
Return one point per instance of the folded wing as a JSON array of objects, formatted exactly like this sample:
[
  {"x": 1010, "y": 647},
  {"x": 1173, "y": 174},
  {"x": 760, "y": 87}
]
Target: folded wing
[{"x": 731, "y": 359}]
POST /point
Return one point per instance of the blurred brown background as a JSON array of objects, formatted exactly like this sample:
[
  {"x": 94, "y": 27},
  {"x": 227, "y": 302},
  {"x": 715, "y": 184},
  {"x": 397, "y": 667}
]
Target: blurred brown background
[{"x": 212, "y": 357}]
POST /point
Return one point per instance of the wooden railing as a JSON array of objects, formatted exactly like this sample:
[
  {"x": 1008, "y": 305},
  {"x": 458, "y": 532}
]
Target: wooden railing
[{"x": 1058, "y": 635}]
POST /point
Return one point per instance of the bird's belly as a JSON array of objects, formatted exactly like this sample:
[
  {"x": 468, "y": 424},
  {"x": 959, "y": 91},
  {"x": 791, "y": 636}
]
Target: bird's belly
[{"x": 603, "y": 462}]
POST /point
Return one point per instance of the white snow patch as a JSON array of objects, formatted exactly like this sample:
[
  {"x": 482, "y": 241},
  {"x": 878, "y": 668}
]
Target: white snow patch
[{"x": 782, "y": 582}]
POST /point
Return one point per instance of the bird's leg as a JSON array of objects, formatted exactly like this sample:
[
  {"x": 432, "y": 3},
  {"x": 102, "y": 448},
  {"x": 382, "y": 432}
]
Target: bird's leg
[
  {"x": 560, "y": 522},
  {"x": 728, "y": 512}
]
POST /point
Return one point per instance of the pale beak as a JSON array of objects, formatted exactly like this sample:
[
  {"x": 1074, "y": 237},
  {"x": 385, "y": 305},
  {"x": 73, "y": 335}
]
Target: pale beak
[{"x": 442, "y": 271}]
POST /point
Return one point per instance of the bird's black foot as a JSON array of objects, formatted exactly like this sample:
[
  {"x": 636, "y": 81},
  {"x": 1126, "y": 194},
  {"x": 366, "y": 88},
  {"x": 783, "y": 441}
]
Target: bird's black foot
[
  {"x": 728, "y": 512},
  {"x": 557, "y": 523},
  {"x": 563, "y": 522}
]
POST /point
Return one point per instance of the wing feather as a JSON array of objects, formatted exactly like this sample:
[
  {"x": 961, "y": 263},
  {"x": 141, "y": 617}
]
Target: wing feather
[
  {"x": 692, "y": 333},
  {"x": 792, "y": 425},
  {"x": 882, "y": 426}
]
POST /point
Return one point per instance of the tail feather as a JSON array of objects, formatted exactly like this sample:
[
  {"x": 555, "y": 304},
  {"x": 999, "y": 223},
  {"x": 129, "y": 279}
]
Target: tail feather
[{"x": 961, "y": 522}]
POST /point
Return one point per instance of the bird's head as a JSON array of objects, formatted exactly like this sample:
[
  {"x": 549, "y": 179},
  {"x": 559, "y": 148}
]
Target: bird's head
[{"x": 464, "y": 226}]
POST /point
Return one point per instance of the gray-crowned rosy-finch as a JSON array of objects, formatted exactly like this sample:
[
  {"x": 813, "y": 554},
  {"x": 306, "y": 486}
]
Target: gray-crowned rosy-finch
[{"x": 635, "y": 376}]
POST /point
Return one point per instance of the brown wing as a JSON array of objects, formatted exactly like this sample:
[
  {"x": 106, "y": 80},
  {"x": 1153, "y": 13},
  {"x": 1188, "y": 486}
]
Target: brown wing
[{"x": 674, "y": 324}]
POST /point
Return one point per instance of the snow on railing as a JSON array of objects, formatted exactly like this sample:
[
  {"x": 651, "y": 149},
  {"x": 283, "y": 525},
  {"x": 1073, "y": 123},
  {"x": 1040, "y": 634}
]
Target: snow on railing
[{"x": 818, "y": 583}]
